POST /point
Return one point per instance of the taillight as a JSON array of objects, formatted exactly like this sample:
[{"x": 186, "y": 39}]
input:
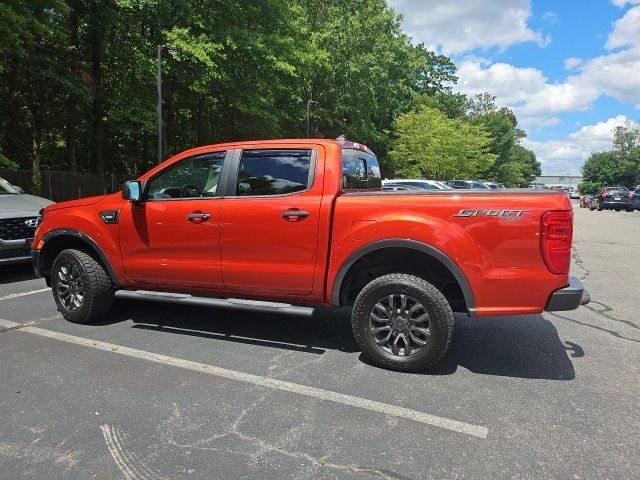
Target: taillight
[{"x": 555, "y": 241}]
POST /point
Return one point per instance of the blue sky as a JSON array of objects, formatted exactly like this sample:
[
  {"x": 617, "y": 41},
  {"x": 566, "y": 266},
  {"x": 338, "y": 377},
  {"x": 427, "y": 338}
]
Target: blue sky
[{"x": 569, "y": 69}]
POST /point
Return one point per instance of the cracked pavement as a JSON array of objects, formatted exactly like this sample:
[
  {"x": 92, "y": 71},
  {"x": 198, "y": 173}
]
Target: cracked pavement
[{"x": 557, "y": 392}]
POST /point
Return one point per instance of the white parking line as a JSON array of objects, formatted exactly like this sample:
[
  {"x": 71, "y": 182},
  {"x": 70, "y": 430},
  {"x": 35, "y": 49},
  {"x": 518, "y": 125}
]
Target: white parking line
[
  {"x": 341, "y": 398},
  {"x": 24, "y": 294}
]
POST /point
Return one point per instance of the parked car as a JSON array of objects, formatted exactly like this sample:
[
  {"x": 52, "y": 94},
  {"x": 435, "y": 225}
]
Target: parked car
[
  {"x": 417, "y": 183},
  {"x": 399, "y": 188},
  {"x": 574, "y": 193},
  {"x": 585, "y": 199},
  {"x": 495, "y": 185},
  {"x": 311, "y": 226},
  {"x": 18, "y": 219},
  {"x": 468, "y": 185},
  {"x": 613, "y": 198},
  {"x": 635, "y": 199}
]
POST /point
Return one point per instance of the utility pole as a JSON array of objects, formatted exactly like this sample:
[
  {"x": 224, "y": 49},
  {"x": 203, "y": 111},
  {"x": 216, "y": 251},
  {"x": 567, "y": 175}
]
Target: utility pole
[
  {"x": 309, "y": 102},
  {"x": 159, "y": 105}
]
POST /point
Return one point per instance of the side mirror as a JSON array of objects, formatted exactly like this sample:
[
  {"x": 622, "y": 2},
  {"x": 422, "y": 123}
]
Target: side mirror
[
  {"x": 19, "y": 189},
  {"x": 132, "y": 190}
]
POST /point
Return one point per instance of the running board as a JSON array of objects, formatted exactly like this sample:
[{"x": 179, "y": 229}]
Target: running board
[{"x": 232, "y": 303}]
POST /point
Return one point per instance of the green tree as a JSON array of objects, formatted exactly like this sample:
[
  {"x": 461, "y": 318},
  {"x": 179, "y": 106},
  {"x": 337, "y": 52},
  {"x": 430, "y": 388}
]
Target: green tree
[
  {"x": 521, "y": 169},
  {"x": 453, "y": 105},
  {"x": 365, "y": 71},
  {"x": 603, "y": 168},
  {"x": 515, "y": 166},
  {"x": 626, "y": 146},
  {"x": 430, "y": 145},
  {"x": 32, "y": 78}
]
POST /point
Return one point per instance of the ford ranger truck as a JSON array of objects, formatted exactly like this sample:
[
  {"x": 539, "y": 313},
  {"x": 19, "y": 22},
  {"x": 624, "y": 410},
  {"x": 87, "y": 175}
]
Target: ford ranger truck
[{"x": 304, "y": 222}]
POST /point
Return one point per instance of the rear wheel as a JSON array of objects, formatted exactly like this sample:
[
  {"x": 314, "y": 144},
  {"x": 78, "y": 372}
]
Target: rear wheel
[
  {"x": 629, "y": 209},
  {"x": 402, "y": 322},
  {"x": 81, "y": 288}
]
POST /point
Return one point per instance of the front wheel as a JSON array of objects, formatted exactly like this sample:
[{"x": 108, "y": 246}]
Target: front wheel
[
  {"x": 81, "y": 288},
  {"x": 402, "y": 322}
]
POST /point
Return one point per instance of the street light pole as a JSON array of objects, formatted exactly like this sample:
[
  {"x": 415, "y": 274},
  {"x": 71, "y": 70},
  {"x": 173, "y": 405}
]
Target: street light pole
[
  {"x": 159, "y": 105},
  {"x": 309, "y": 102},
  {"x": 169, "y": 48}
]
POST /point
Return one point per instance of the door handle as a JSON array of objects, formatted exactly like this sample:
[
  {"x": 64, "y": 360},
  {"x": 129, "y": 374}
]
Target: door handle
[
  {"x": 198, "y": 217},
  {"x": 294, "y": 215}
]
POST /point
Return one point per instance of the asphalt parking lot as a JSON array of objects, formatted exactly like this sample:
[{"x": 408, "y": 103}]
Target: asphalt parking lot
[{"x": 159, "y": 391}]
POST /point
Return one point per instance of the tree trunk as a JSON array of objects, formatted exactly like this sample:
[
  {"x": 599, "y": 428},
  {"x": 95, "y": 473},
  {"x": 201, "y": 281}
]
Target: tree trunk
[{"x": 36, "y": 177}]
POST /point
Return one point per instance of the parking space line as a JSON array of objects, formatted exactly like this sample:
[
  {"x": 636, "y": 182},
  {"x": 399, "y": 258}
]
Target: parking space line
[
  {"x": 24, "y": 294},
  {"x": 319, "y": 393}
]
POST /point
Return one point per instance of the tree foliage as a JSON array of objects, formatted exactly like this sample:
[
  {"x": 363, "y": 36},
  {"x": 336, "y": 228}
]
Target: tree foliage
[
  {"x": 78, "y": 82},
  {"x": 515, "y": 166},
  {"x": 618, "y": 166},
  {"x": 431, "y": 145}
]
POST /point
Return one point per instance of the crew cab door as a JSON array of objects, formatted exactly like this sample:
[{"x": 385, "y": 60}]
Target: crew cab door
[
  {"x": 172, "y": 237},
  {"x": 269, "y": 228}
]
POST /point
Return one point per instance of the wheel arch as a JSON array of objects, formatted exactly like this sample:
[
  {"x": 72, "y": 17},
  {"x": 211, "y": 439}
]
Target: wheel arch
[
  {"x": 342, "y": 277},
  {"x": 58, "y": 240}
]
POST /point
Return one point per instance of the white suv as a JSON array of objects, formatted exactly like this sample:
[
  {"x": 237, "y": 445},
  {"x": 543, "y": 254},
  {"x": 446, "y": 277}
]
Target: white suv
[{"x": 18, "y": 220}]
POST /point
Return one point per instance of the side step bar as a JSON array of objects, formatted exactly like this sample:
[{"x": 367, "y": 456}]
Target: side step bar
[{"x": 231, "y": 303}]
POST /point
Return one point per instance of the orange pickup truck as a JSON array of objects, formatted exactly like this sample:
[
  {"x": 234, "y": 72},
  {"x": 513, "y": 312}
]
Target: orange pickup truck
[{"x": 304, "y": 222}]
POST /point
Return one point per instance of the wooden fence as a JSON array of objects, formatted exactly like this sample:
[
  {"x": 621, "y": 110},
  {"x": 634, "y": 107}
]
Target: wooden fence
[{"x": 61, "y": 186}]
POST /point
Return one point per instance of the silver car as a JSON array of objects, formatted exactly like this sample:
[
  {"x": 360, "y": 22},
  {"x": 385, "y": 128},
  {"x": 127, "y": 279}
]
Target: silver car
[
  {"x": 419, "y": 184},
  {"x": 18, "y": 220}
]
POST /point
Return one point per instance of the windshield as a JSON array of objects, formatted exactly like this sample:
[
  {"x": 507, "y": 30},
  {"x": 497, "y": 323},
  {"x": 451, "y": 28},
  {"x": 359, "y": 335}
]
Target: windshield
[{"x": 6, "y": 188}]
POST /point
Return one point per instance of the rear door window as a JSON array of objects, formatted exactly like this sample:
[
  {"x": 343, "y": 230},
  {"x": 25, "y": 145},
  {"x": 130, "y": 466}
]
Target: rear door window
[
  {"x": 274, "y": 172},
  {"x": 360, "y": 170}
]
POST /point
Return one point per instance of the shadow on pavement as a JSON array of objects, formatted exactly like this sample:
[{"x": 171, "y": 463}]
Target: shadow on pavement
[
  {"x": 19, "y": 272},
  {"x": 523, "y": 347},
  {"x": 325, "y": 328}
]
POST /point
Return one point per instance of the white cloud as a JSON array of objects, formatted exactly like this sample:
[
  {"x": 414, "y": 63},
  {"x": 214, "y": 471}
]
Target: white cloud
[
  {"x": 464, "y": 25},
  {"x": 615, "y": 74},
  {"x": 572, "y": 62},
  {"x": 568, "y": 154},
  {"x": 532, "y": 96},
  {"x": 551, "y": 18},
  {"x": 461, "y": 26},
  {"x": 537, "y": 121},
  {"x": 622, "y": 3},
  {"x": 601, "y": 131},
  {"x": 525, "y": 90},
  {"x": 626, "y": 30}
]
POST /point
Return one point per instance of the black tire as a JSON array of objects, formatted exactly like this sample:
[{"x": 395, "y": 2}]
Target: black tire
[
  {"x": 90, "y": 280},
  {"x": 590, "y": 208},
  {"x": 629, "y": 209},
  {"x": 440, "y": 322}
]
